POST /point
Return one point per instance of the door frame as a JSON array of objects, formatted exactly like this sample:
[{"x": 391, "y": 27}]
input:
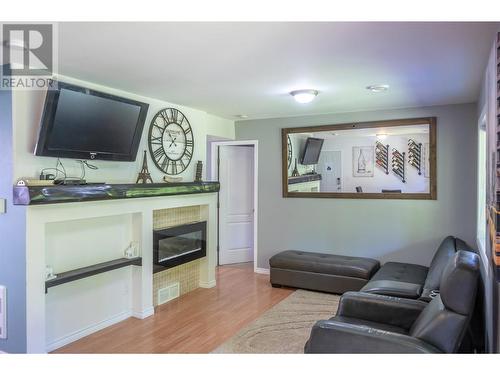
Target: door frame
[{"x": 214, "y": 176}]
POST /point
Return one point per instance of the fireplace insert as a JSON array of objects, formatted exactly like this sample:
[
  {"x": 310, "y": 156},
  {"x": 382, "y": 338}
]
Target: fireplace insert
[{"x": 178, "y": 245}]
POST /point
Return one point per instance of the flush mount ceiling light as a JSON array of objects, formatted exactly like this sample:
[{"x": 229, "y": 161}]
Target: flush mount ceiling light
[
  {"x": 304, "y": 96},
  {"x": 377, "y": 88}
]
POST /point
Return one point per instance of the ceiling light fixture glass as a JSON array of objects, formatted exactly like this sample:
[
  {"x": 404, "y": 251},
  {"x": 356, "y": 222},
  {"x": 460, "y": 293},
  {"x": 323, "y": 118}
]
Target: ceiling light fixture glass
[
  {"x": 304, "y": 96},
  {"x": 377, "y": 88}
]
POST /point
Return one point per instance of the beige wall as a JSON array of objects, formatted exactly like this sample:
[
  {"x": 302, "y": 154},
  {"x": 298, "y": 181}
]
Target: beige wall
[{"x": 27, "y": 112}]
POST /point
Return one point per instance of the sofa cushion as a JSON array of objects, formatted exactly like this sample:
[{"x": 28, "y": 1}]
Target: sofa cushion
[
  {"x": 329, "y": 264},
  {"x": 398, "y": 279},
  {"x": 403, "y": 272}
]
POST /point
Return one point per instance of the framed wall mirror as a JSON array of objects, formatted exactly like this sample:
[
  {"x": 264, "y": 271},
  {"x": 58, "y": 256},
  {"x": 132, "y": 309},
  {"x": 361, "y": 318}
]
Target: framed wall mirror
[{"x": 393, "y": 159}]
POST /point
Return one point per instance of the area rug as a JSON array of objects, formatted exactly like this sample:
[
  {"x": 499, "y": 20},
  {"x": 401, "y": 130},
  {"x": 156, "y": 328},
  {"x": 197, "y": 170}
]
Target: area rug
[{"x": 285, "y": 327}]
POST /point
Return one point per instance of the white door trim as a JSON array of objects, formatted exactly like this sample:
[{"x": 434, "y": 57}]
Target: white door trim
[{"x": 215, "y": 177}]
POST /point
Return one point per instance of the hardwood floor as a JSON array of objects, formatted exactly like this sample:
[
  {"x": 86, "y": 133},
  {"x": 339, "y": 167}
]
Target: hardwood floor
[{"x": 197, "y": 322}]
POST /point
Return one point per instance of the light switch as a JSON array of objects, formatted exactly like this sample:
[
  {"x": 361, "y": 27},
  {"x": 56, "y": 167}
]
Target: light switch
[
  {"x": 2, "y": 206},
  {"x": 3, "y": 312}
]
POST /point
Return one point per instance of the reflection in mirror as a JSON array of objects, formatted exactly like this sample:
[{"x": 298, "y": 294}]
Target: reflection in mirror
[{"x": 382, "y": 160}]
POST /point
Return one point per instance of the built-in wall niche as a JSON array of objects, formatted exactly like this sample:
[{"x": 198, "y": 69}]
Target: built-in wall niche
[
  {"x": 394, "y": 159},
  {"x": 79, "y": 243}
]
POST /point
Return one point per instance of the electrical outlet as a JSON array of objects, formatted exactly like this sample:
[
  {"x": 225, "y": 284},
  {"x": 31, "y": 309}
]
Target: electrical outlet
[
  {"x": 3, "y": 312},
  {"x": 2, "y": 206}
]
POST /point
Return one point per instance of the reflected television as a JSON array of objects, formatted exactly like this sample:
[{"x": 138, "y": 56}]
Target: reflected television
[{"x": 312, "y": 151}]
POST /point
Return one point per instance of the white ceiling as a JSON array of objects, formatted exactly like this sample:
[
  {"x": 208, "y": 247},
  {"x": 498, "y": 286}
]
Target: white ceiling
[{"x": 248, "y": 68}]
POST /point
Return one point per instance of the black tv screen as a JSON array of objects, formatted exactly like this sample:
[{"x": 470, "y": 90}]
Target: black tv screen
[
  {"x": 86, "y": 124},
  {"x": 312, "y": 150}
]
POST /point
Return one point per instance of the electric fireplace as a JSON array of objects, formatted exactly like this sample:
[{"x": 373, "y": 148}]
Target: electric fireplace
[{"x": 178, "y": 245}]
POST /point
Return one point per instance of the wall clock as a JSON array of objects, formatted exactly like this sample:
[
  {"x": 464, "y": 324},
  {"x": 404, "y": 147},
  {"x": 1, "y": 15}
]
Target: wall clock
[
  {"x": 170, "y": 141},
  {"x": 289, "y": 146}
]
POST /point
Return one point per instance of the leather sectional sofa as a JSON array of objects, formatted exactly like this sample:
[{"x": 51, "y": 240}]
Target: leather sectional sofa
[
  {"x": 370, "y": 323},
  {"x": 339, "y": 274}
]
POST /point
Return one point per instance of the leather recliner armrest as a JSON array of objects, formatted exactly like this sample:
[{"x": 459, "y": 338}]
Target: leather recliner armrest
[
  {"x": 329, "y": 336},
  {"x": 394, "y": 311}
]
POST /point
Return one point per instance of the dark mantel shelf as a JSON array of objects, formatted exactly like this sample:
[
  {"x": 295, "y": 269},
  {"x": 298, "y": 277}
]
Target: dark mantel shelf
[
  {"x": 81, "y": 273},
  {"x": 304, "y": 178},
  {"x": 38, "y": 195}
]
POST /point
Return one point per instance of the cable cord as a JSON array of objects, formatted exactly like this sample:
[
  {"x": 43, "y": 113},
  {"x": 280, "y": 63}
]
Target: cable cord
[{"x": 60, "y": 169}]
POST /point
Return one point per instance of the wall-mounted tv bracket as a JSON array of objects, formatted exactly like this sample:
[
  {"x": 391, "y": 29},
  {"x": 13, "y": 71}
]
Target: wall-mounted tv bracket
[
  {"x": 382, "y": 156},
  {"x": 398, "y": 164},
  {"x": 415, "y": 155}
]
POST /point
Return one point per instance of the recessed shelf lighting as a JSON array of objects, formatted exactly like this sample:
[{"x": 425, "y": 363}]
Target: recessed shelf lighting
[
  {"x": 381, "y": 136},
  {"x": 377, "y": 88},
  {"x": 304, "y": 96}
]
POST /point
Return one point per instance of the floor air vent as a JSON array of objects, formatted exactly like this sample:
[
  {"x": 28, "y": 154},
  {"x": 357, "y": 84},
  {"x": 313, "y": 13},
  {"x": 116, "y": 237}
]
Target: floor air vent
[{"x": 168, "y": 293}]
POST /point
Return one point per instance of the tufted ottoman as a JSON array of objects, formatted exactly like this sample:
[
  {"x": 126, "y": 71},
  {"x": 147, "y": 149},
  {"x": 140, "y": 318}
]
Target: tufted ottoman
[{"x": 322, "y": 272}]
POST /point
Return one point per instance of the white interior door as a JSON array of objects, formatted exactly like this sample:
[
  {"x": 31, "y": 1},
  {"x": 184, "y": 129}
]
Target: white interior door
[
  {"x": 236, "y": 204},
  {"x": 330, "y": 168}
]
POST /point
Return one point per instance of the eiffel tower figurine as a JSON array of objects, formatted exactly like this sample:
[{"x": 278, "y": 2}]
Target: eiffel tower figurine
[{"x": 144, "y": 175}]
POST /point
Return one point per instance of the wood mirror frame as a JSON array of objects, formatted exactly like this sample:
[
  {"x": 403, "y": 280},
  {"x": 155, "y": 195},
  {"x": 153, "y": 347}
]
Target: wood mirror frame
[{"x": 432, "y": 195}]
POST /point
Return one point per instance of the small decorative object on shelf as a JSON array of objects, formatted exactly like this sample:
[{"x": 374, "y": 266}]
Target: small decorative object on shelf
[
  {"x": 49, "y": 273},
  {"x": 144, "y": 175},
  {"x": 415, "y": 155},
  {"x": 172, "y": 179},
  {"x": 295, "y": 172},
  {"x": 398, "y": 164},
  {"x": 132, "y": 251},
  {"x": 382, "y": 156},
  {"x": 199, "y": 169}
]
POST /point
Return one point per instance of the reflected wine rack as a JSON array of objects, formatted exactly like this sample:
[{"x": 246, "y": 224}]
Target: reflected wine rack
[
  {"x": 382, "y": 156},
  {"x": 415, "y": 155},
  {"x": 398, "y": 164}
]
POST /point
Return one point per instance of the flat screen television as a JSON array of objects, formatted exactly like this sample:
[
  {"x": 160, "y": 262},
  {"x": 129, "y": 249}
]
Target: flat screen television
[
  {"x": 81, "y": 123},
  {"x": 312, "y": 150}
]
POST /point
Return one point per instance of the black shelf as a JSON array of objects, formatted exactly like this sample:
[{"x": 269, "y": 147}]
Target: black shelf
[
  {"x": 81, "y": 273},
  {"x": 304, "y": 178}
]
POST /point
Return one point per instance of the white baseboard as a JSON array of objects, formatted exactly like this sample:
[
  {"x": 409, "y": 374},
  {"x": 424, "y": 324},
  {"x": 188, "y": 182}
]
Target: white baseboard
[
  {"x": 144, "y": 313},
  {"x": 87, "y": 331},
  {"x": 209, "y": 284},
  {"x": 264, "y": 271}
]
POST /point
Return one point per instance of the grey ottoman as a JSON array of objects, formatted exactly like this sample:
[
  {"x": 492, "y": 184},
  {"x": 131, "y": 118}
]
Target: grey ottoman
[{"x": 322, "y": 272}]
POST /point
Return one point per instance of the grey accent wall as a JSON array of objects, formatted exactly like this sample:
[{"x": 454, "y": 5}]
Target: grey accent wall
[
  {"x": 396, "y": 230},
  {"x": 12, "y": 239}
]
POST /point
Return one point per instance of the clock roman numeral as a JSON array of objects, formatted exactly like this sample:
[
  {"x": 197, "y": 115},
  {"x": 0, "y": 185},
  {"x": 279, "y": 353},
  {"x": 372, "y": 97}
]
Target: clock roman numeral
[
  {"x": 174, "y": 113},
  {"x": 164, "y": 165},
  {"x": 189, "y": 143},
  {"x": 156, "y": 141},
  {"x": 183, "y": 166},
  {"x": 187, "y": 153},
  {"x": 174, "y": 167},
  {"x": 158, "y": 152},
  {"x": 160, "y": 127},
  {"x": 165, "y": 118}
]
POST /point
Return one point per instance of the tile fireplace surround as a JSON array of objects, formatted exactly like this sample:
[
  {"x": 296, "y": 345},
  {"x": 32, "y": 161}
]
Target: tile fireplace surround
[
  {"x": 73, "y": 235},
  {"x": 187, "y": 274}
]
